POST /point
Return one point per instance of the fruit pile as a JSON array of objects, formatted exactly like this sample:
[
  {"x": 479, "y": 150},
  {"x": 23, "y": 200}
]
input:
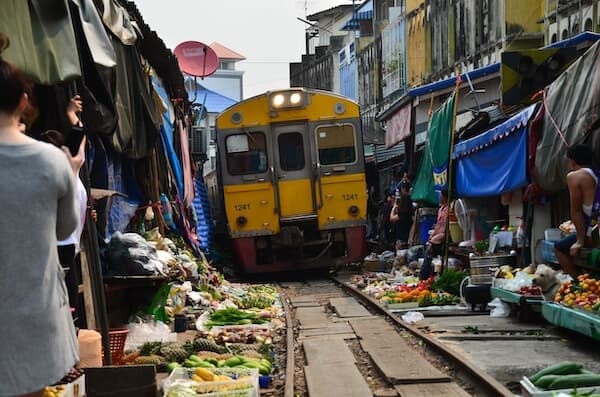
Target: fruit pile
[
  {"x": 263, "y": 365},
  {"x": 202, "y": 353},
  {"x": 199, "y": 381},
  {"x": 407, "y": 293},
  {"x": 530, "y": 290},
  {"x": 583, "y": 293},
  {"x": 53, "y": 391}
]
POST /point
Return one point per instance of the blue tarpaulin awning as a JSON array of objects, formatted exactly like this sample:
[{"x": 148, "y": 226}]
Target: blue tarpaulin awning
[
  {"x": 494, "y": 162},
  {"x": 363, "y": 13}
]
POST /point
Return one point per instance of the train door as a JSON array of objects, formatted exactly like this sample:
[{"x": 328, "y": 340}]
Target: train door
[
  {"x": 341, "y": 183},
  {"x": 293, "y": 172},
  {"x": 250, "y": 200}
]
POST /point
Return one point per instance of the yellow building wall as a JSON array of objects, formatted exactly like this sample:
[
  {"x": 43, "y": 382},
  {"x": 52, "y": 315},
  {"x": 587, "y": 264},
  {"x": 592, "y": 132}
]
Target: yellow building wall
[
  {"x": 412, "y": 5},
  {"x": 416, "y": 47},
  {"x": 524, "y": 14}
]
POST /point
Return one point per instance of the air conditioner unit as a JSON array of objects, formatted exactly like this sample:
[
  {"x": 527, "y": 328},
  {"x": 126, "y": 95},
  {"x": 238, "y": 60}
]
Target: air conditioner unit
[{"x": 553, "y": 35}]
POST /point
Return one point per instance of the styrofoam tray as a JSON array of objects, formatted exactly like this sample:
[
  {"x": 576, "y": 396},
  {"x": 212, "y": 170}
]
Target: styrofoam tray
[{"x": 248, "y": 387}]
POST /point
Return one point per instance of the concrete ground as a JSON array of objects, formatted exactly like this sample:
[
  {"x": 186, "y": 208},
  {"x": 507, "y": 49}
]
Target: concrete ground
[{"x": 508, "y": 349}]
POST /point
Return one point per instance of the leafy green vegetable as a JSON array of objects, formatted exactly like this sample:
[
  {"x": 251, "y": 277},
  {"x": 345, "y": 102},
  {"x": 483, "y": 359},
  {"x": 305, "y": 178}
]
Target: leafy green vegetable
[
  {"x": 233, "y": 316},
  {"x": 449, "y": 281}
]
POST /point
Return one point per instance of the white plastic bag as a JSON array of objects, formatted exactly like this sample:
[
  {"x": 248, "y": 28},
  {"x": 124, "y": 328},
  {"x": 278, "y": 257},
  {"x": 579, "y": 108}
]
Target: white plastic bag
[
  {"x": 142, "y": 332},
  {"x": 499, "y": 308},
  {"x": 412, "y": 317}
]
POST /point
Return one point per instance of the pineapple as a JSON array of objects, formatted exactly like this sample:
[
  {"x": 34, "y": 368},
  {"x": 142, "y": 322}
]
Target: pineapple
[
  {"x": 208, "y": 345},
  {"x": 156, "y": 360},
  {"x": 174, "y": 353},
  {"x": 150, "y": 348}
]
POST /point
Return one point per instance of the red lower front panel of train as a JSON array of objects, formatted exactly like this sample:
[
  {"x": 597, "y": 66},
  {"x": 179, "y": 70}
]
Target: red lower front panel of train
[{"x": 294, "y": 249}]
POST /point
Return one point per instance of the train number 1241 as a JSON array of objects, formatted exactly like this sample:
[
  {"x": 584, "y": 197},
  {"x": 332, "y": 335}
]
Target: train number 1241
[
  {"x": 350, "y": 196},
  {"x": 241, "y": 207}
]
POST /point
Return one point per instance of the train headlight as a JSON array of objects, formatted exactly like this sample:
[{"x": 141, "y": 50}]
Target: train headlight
[
  {"x": 241, "y": 221},
  {"x": 288, "y": 99},
  {"x": 295, "y": 98},
  {"x": 278, "y": 100},
  {"x": 353, "y": 210}
]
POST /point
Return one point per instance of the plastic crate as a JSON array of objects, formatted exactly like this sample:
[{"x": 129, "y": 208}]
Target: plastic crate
[
  {"x": 244, "y": 383},
  {"x": 552, "y": 234},
  {"x": 548, "y": 254}
]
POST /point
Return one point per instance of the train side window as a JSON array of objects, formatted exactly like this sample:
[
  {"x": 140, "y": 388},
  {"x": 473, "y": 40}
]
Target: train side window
[
  {"x": 336, "y": 144},
  {"x": 291, "y": 151},
  {"x": 246, "y": 153}
]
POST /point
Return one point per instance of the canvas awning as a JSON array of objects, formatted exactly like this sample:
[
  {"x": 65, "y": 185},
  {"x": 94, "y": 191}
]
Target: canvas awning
[
  {"x": 398, "y": 126},
  {"x": 42, "y": 39},
  {"x": 496, "y": 161},
  {"x": 572, "y": 114}
]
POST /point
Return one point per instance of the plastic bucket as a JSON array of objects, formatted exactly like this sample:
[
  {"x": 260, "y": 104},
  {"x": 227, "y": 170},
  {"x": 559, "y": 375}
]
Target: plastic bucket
[
  {"x": 425, "y": 225},
  {"x": 456, "y": 233}
]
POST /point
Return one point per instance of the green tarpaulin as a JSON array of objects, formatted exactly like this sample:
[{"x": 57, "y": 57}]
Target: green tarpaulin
[
  {"x": 433, "y": 169},
  {"x": 42, "y": 39}
]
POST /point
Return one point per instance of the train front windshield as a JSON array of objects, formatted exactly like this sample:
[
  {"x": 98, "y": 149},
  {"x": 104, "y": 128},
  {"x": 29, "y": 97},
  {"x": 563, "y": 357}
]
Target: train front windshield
[
  {"x": 336, "y": 144},
  {"x": 246, "y": 153}
]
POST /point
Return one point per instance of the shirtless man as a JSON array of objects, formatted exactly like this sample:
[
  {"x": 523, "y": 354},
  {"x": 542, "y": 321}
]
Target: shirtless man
[{"x": 582, "y": 182}]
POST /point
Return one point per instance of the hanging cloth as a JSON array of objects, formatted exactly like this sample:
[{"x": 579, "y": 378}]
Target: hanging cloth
[
  {"x": 137, "y": 130},
  {"x": 433, "y": 169},
  {"x": 42, "y": 41},
  {"x": 186, "y": 161}
]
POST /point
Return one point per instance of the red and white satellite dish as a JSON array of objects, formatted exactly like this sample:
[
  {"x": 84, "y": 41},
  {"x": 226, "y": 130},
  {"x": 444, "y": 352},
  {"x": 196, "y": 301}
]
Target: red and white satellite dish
[{"x": 196, "y": 58}]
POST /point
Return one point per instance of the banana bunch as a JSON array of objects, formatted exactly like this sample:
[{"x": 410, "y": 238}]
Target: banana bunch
[
  {"x": 505, "y": 271},
  {"x": 53, "y": 391}
]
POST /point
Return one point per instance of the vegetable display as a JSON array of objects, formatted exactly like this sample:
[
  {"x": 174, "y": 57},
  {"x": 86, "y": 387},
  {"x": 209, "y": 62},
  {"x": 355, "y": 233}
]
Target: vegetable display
[
  {"x": 449, "y": 281},
  {"x": 233, "y": 316},
  {"x": 564, "y": 375}
]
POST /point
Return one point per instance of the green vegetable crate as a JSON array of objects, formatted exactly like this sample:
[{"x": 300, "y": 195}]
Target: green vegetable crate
[{"x": 528, "y": 389}]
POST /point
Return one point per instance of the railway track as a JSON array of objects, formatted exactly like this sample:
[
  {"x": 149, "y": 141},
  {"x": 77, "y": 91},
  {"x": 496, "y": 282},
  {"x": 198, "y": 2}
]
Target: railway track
[{"x": 344, "y": 343}]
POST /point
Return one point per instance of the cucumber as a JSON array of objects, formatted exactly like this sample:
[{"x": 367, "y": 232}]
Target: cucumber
[
  {"x": 573, "y": 381},
  {"x": 563, "y": 368},
  {"x": 546, "y": 380}
]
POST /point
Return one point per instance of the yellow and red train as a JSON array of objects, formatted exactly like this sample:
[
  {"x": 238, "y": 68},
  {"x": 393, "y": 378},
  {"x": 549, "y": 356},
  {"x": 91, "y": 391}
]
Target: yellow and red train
[{"x": 291, "y": 179}]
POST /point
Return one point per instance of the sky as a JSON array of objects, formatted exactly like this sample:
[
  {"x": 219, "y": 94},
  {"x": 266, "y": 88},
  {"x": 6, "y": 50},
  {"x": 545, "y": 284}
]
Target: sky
[{"x": 266, "y": 32}]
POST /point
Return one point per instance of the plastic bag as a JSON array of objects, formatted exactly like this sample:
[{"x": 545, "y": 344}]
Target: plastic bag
[
  {"x": 142, "y": 332},
  {"x": 90, "y": 348},
  {"x": 412, "y": 317},
  {"x": 499, "y": 308}
]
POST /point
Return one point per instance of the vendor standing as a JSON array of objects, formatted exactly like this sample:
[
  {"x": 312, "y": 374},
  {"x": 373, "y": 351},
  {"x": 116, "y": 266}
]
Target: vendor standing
[
  {"x": 401, "y": 215},
  {"x": 582, "y": 182},
  {"x": 437, "y": 237}
]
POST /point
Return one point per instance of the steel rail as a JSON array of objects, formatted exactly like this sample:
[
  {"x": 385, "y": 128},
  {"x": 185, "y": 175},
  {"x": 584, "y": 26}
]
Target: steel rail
[
  {"x": 290, "y": 364},
  {"x": 489, "y": 383}
]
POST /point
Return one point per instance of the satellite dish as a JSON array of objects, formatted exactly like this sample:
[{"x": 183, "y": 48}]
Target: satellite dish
[{"x": 196, "y": 58}]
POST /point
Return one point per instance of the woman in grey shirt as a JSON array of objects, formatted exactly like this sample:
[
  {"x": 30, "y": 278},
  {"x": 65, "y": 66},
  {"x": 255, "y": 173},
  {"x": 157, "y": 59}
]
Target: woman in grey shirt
[{"x": 38, "y": 344}]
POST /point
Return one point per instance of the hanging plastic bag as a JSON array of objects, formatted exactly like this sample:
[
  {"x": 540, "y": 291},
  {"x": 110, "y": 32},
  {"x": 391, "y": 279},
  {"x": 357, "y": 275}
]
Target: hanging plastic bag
[{"x": 499, "y": 308}]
